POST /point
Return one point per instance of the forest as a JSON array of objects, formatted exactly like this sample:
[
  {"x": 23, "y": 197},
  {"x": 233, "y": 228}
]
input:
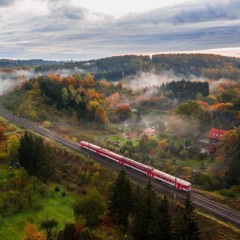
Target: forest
[
  {"x": 28, "y": 184},
  {"x": 117, "y": 67},
  {"x": 160, "y": 124}
]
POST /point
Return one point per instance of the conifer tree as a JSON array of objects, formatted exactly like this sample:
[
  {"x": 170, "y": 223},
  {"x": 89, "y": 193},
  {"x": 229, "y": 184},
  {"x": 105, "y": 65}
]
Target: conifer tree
[
  {"x": 145, "y": 215},
  {"x": 185, "y": 226},
  {"x": 35, "y": 157},
  {"x": 163, "y": 221},
  {"x": 68, "y": 233},
  {"x": 24, "y": 150},
  {"x": 121, "y": 199}
]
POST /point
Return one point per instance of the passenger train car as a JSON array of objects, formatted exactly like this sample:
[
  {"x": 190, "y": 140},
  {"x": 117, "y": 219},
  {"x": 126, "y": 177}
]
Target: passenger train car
[{"x": 146, "y": 169}]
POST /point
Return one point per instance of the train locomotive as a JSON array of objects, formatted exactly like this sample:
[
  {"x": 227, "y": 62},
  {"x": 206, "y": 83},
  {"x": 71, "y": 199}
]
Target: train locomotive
[{"x": 178, "y": 183}]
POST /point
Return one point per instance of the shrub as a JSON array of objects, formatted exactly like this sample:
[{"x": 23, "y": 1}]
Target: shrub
[
  {"x": 63, "y": 194},
  {"x": 227, "y": 193},
  {"x": 37, "y": 206},
  {"x": 57, "y": 189}
]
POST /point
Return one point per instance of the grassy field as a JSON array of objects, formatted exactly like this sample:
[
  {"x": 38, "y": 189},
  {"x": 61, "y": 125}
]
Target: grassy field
[
  {"x": 9, "y": 127},
  {"x": 121, "y": 140},
  {"x": 54, "y": 206}
]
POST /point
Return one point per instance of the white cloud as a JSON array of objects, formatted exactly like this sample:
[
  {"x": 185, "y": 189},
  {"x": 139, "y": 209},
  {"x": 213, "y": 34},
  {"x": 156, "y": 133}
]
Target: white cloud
[{"x": 56, "y": 29}]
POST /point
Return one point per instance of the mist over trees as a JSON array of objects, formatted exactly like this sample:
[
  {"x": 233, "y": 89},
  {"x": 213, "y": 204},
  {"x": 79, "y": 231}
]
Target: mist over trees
[{"x": 117, "y": 67}]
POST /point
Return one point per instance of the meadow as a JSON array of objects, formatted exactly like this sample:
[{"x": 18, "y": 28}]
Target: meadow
[{"x": 52, "y": 206}]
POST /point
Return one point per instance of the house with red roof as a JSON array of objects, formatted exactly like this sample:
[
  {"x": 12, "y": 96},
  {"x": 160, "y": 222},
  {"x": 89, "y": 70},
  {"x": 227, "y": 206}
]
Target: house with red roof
[
  {"x": 215, "y": 135},
  {"x": 209, "y": 145}
]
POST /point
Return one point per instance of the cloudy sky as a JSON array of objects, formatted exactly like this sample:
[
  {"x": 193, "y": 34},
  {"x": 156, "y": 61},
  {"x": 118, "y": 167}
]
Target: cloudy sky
[{"x": 87, "y": 29}]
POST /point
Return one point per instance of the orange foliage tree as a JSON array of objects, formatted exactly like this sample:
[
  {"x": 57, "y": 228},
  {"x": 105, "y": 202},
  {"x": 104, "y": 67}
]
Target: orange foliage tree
[
  {"x": 221, "y": 106},
  {"x": 2, "y": 134},
  {"x": 70, "y": 80},
  {"x": 54, "y": 77},
  {"x": 113, "y": 99},
  {"x": 123, "y": 111},
  {"x": 31, "y": 233},
  {"x": 87, "y": 80},
  {"x": 163, "y": 145},
  {"x": 101, "y": 116},
  {"x": 92, "y": 94}
]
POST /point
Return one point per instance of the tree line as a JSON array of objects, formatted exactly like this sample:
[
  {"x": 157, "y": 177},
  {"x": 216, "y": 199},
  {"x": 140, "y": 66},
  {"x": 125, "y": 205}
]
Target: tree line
[
  {"x": 140, "y": 213},
  {"x": 76, "y": 93},
  {"x": 117, "y": 67},
  {"x": 36, "y": 157},
  {"x": 150, "y": 216}
]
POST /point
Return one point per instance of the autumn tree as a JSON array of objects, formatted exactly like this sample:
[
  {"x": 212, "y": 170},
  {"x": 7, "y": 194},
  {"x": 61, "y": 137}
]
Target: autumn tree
[
  {"x": 13, "y": 147},
  {"x": 123, "y": 111},
  {"x": 48, "y": 225},
  {"x": 193, "y": 110},
  {"x": 228, "y": 155},
  {"x": 31, "y": 233},
  {"x": 91, "y": 206},
  {"x": 70, "y": 232},
  {"x": 2, "y": 134},
  {"x": 64, "y": 96},
  {"x": 101, "y": 116}
]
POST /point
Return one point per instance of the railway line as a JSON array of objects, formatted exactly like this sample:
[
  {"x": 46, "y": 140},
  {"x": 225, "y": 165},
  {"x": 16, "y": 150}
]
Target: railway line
[{"x": 203, "y": 203}]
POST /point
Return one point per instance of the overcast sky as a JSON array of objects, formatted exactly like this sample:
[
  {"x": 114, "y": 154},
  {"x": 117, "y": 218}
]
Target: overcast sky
[{"x": 87, "y": 29}]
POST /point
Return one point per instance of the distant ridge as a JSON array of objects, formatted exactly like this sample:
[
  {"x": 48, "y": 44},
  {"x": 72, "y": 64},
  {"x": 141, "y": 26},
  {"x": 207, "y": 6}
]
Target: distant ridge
[
  {"x": 22, "y": 63},
  {"x": 114, "y": 68}
]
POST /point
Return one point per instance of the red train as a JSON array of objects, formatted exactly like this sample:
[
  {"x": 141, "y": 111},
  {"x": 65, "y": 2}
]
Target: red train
[{"x": 148, "y": 170}]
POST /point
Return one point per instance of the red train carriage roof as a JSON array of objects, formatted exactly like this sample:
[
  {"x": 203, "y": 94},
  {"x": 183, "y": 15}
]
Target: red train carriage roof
[
  {"x": 128, "y": 160},
  {"x": 125, "y": 159},
  {"x": 171, "y": 178}
]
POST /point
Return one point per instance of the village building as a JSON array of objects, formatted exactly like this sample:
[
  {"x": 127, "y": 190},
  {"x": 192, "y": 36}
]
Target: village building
[
  {"x": 209, "y": 145},
  {"x": 215, "y": 135}
]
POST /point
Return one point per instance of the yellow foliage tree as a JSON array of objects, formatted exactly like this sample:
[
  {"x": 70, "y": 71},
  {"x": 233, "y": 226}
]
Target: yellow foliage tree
[
  {"x": 163, "y": 145},
  {"x": 13, "y": 146},
  {"x": 31, "y": 233},
  {"x": 101, "y": 115}
]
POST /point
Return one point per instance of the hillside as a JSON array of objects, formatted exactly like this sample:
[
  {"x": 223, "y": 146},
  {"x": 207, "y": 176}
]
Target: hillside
[
  {"x": 158, "y": 124},
  {"x": 118, "y": 67}
]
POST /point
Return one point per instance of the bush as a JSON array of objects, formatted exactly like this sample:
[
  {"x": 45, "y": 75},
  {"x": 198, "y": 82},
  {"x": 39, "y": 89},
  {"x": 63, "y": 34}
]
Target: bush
[
  {"x": 227, "y": 193},
  {"x": 63, "y": 194},
  {"x": 57, "y": 189},
  {"x": 3, "y": 157},
  {"x": 37, "y": 206}
]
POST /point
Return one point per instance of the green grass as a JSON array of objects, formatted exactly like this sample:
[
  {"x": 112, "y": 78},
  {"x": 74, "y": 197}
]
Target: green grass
[
  {"x": 193, "y": 163},
  {"x": 10, "y": 127},
  {"x": 120, "y": 138},
  {"x": 54, "y": 207}
]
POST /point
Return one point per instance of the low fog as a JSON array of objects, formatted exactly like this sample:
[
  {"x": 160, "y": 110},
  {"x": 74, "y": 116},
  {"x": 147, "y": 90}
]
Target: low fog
[
  {"x": 149, "y": 79},
  {"x": 11, "y": 79}
]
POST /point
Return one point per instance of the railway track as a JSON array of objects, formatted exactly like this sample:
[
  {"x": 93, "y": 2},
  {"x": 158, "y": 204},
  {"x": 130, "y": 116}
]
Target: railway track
[
  {"x": 217, "y": 209},
  {"x": 211, "y": 207}
]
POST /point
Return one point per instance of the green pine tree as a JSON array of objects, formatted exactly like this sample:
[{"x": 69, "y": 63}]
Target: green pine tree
[
  {"x": 145, "y": 215},
  {"x": 164, "y": 221},
  {"x": 185, "y": 226},
  {"x": 120, "y": 199}
]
